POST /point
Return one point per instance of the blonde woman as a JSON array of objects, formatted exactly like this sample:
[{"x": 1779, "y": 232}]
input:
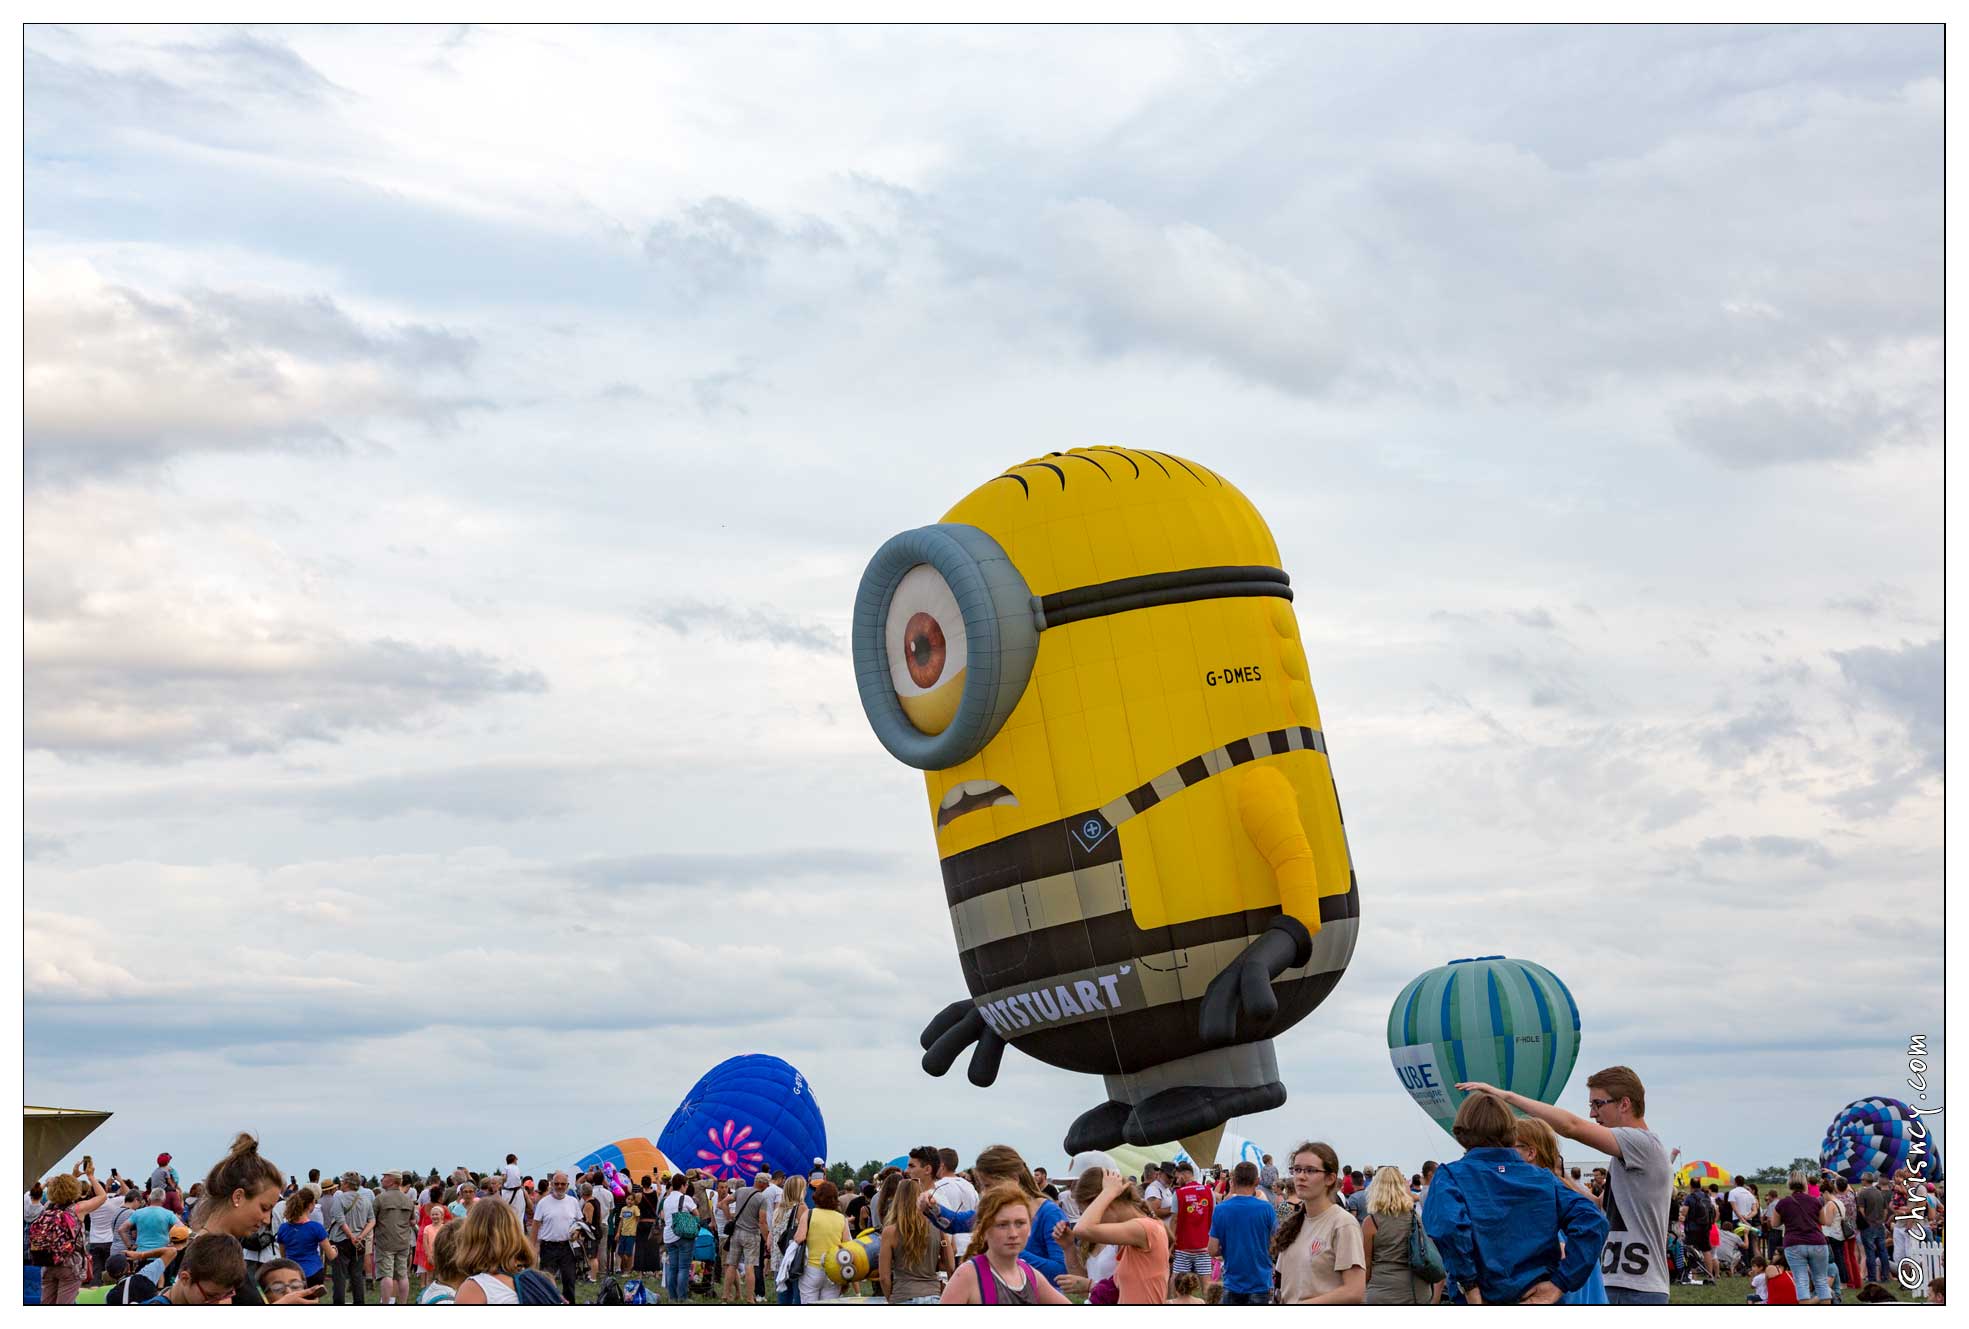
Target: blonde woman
[
  {"x": 1114, "y": 1216},
  {"x": 1538, "y": 1144},
  {"x": 1384, "y": 1240},
  {"x": 789, "y": 1230},
  {"x": 912, "y": 1252},
  {"x": 1317, "y": 1248},
  {"x": 68, "y": 1203},
  {"x": 490, "y": 1249}
]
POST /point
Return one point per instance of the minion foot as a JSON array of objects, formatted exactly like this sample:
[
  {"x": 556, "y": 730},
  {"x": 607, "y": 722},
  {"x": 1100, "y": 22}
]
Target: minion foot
[
  {"x": 1191, "y": 1110},
  {"x": 1098, "y": 1128}
]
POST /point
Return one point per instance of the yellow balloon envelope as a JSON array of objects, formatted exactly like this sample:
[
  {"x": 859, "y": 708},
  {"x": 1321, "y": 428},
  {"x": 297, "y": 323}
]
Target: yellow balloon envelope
[{"x": 1094, "y": 660}]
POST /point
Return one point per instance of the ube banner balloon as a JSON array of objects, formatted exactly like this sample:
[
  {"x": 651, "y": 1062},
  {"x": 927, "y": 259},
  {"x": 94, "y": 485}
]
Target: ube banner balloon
[
  {"x": 1505, "y": 1022},
  {"x": 749, "y": 1114},
  {"x": 1094, "y": 661},
  {"x": 1704, "y": 1172},
  {"x": 1879, "y": 1135},
  {"x": 636, "y": 1158}
]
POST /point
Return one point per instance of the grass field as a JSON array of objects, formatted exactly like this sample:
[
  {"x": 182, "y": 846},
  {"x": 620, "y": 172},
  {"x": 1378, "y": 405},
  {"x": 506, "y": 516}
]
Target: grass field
[
  {"x": 1729, "y": 1292},
  {"x": 1732, "y": 1291}
]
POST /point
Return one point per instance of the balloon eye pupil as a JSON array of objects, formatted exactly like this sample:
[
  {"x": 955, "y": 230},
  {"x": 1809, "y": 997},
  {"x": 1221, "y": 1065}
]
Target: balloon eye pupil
[{"x": 923, "y": 649}]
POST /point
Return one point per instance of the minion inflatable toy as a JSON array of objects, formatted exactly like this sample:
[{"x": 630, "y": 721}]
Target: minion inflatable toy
[{"x": 1093, "y": 659}]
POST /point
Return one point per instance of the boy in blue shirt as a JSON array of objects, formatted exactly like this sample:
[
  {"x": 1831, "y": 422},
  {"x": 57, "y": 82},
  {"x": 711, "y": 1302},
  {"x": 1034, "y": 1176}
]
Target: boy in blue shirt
[{"x": 1241, "y": 1232}]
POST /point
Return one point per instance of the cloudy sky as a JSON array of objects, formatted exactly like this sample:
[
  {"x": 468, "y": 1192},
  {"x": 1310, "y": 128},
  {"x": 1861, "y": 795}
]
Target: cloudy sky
[{"x": 451, "y": 454}]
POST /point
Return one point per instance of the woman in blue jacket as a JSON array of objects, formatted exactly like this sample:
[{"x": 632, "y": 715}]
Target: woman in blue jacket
[
  {"x": 1508, "y": 1231},
  {"x": 1001, "y": 1165}
]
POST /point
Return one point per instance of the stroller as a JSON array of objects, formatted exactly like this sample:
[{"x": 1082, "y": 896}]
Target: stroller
[{"x": 1686, "y": 1264}]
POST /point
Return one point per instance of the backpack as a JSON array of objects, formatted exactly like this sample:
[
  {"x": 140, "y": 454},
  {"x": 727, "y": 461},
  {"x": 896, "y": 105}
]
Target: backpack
[
  {"x": 610, "y": 1293},
  {"x": 634, "y": 1293},
  {"x": 131, "y": 1290},
  {"x": 534, "y": 1288},
  {"x": 1424, "y": 1260},
  {"x": 52, "y": 1238}
]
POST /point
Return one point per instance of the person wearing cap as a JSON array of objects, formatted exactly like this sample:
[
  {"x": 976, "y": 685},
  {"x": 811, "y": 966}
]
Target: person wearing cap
[
  {"x": 164, "y": 1178},
  {"x": 395, "y": 1223},
  {"x": 351, "y": 1217},
  {"x": 1157, "y": 1193}
]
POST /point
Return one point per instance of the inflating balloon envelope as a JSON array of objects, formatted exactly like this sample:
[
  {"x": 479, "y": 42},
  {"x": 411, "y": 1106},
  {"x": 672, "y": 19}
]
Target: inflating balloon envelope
[
  {"x": 1880, "y": 1135},
  {"x": 1094, "y": 660},
  {"x": 747, "y": 1115}
]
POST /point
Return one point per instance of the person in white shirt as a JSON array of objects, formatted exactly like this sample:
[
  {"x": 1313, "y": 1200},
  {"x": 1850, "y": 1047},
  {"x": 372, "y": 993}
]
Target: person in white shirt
[
  {"x": 102, "y": 1233},
  {"x": 678, "y": 1251},
  {"x": 554, "y": 1217},
  {"x": 513, "y": 1189},
  {"x": 1160, "y": 1197},
  {"x": 952, "y": 1191}
]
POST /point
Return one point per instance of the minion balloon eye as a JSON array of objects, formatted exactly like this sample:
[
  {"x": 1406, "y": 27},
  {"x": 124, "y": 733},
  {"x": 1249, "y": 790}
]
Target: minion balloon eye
[{"x": 944, "y": 642}]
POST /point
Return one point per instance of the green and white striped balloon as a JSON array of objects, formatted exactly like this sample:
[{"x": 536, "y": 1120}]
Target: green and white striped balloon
[{"x": 1505, "y": 1022}]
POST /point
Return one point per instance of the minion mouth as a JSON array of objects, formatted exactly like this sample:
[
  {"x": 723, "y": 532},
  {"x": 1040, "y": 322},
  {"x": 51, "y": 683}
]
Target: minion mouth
[{"x": 970, "y": 796}]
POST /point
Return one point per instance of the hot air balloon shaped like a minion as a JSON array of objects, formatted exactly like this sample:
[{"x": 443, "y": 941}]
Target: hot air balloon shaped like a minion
[{"x": 1093, "y": 659}]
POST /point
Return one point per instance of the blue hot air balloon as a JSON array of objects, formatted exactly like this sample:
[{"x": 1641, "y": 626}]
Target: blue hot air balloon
[
  {"x": 1505, "y": 1022},
  {"x": 1879, "y": 1135},
  {"x": 748, "y": 1114}
]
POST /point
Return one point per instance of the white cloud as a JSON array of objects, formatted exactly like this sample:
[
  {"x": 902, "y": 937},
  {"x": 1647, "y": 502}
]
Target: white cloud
[
  {"x": 118, "y": 378},
  {"x": 155, "y": 634},
  {"x": 433, "y": 611}
]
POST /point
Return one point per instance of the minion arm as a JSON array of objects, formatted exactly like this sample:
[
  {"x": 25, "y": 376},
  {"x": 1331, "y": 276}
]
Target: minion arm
[
  {"x": 1270, "y": 812},
  {"x": 1242, "y": 993}
]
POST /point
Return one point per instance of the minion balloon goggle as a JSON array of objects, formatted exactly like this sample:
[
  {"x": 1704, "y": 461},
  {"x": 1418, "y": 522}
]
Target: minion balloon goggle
[{"x": 946, "y": 632}]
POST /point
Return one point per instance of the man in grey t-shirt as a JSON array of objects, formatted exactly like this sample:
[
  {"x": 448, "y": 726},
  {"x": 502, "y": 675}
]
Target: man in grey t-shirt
[
  {"x": 1640, "y": 1183},
  {"x": 744, "y": 1213},
  {"x": 350, "y": 1216}
]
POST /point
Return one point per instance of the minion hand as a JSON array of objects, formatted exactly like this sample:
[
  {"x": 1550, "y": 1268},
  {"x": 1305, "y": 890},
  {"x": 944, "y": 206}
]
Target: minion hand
[
  {"x": 1243, "y": 992},
  {"x": 955, "y": 1028}
]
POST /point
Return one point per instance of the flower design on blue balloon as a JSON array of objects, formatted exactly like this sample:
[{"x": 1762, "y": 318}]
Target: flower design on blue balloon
[{"x": 733, "y": 1153}]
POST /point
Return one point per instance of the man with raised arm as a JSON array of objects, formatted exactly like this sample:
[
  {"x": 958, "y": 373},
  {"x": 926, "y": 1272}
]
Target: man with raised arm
[{"x": 1634, "y": 1262}]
